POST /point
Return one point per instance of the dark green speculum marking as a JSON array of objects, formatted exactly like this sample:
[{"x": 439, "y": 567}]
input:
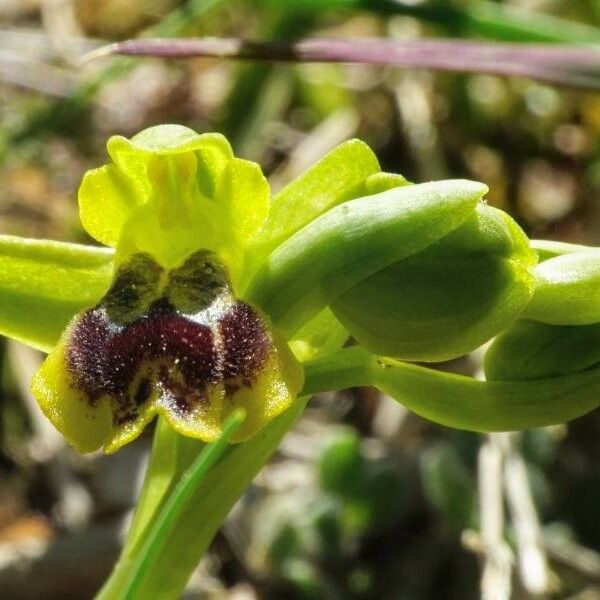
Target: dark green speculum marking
[
  {"x": 133, "y": 290},
  {"x": 174, "y": 333}
]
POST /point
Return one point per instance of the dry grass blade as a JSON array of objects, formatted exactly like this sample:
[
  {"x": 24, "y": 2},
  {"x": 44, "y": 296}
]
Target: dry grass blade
[{"x": 571, "y": 66}]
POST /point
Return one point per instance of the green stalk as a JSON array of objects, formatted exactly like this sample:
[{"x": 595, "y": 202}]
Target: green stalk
[{"x": 458, "y": 401}]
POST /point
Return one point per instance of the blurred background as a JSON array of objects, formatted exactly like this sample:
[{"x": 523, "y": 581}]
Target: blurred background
[{"x": 363, "y": 499}]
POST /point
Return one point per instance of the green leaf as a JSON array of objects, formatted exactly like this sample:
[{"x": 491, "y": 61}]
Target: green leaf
[
  {"x": 448, "y": 299},
  {"x": 567, "y": 290},
  {"x": 531, "y": 350},
  {"x": 458, "y": 401},
  {"x": 354, "y": 240},
  {"x": 337, "y": 177},
  {"x": 44, "y": 284}
]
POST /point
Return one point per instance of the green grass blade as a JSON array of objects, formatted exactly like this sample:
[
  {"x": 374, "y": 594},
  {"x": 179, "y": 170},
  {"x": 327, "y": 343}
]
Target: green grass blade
[
  {"x": 478, "y": 18},
  {"x": 171, "y": 456}
]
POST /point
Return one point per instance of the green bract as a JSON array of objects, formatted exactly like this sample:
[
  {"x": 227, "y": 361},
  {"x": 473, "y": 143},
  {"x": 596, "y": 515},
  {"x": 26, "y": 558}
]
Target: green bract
[
  {"x": 213, "y": 296},
  {"x": 530, "y": 351}
]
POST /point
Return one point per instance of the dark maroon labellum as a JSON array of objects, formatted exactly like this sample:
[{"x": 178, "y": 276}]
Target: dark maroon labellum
[{"x": 176, "y": 339}]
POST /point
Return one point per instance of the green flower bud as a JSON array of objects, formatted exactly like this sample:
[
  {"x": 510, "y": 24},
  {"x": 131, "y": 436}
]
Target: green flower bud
[{"x": 447, "y": 299}]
